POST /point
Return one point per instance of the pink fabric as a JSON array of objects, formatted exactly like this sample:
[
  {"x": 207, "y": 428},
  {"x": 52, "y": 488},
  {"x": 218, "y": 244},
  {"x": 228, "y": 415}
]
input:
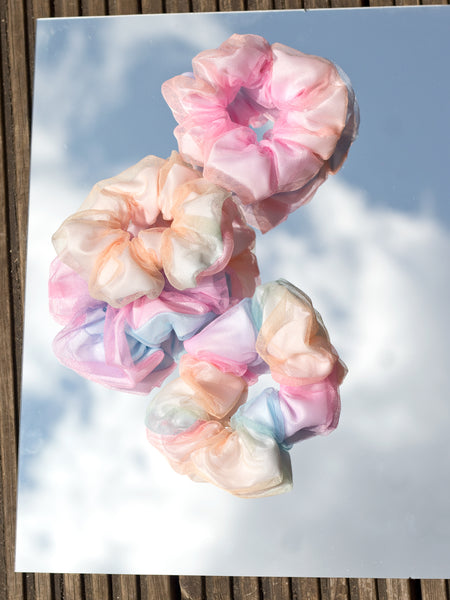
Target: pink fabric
[
  {"x": 243, "y": 84},
  {"x": 133, "y": 348}
]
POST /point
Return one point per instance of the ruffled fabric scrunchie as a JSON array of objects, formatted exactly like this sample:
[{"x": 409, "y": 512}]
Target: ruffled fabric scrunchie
[
  {"x": 243, "y": 84},
  {"x": 203, "y": 423},
  {"x": 133, "y": 348},
  {"x": 158, "y": 220}
]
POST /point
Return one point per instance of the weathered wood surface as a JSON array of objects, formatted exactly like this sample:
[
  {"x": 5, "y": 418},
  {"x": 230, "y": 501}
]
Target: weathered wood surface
[{"x": 17, "y": 35}]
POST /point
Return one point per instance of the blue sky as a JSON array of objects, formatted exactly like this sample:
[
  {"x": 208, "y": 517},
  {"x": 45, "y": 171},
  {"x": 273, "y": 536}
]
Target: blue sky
[{"x": 371, "y": 250}]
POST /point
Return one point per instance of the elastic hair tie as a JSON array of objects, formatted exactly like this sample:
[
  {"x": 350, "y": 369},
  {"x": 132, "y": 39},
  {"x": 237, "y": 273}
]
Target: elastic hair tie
[
  {"x": 203, "y": 423},
  {"x": 244, "y": 84}
]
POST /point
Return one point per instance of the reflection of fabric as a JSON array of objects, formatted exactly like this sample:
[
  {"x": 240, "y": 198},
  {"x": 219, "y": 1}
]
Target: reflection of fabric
[
  {"x": 244, "y": 84},
  {"x": 202, "y": 422},
  {"x": 133, "y": 348},
  {"x": 156, "y": 221}
]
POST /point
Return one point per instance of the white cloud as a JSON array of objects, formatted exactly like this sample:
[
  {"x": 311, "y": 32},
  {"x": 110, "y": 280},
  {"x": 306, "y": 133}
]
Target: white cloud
[{"x": 377, "y": 276}]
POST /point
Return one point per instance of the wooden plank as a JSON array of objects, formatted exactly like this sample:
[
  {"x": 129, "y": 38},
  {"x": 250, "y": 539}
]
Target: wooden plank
[
  {"x": 58, "y": 587},
  {"x": 259, "y": 5},
  {"x": 394, "y": 589},
  {"x": 177, "y": 6},
  {"x": 363, "y": 589},
  {"x": 288, "y": 4},
  {"x": 125, "y": 587},
  {"x": 35, "y": 9},
  {"x": 17, "y": 132},
  {"x": 433, "y": 589},
  {"x": 97, "y": 586},
  {"x": 67, "y": 8},
  {"x": 219, "y": 588},
  {"x": 154, "y": 587},
  {"x": 204, "y": 6},
  {"x": 73, "y": 587},
  {"x": 6, "y": 382},
  {"x": 13, "y": 186},
  {"x": 305, "y": 588},
  {"x": 93, "y": 8},
  {"x": 152, "y": 6},
  {"x": 246, "y": 588},
  {"x": 228, "y": 5},
  {"x": 276, "y": 588},
  {"x": 309, "y": 4},
  {"x": 42, "y": 586},
  {"x": 334, "y": 589},
  {"x": 345, "y": 3},
  {"x": 123, "y": 7},
  {"x": 192, "y": 588}
]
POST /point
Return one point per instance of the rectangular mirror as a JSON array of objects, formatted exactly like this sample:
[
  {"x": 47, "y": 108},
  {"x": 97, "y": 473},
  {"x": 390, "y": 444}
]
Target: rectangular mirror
[{"x": 371, "y": 250}]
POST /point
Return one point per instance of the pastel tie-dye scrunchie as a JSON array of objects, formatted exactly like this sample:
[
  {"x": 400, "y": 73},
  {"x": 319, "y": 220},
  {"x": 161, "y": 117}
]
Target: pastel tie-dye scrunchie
[
  {"x": 157, "y": 220},
  {"x": 247, "y": 83},
  {"x": 204, "y": 423}
]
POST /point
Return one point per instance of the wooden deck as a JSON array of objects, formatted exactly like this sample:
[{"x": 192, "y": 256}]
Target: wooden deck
[{"x": 17, "y": 22}]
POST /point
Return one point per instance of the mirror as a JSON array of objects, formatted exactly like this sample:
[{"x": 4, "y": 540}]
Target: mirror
[{"x": 371, "y": 250}]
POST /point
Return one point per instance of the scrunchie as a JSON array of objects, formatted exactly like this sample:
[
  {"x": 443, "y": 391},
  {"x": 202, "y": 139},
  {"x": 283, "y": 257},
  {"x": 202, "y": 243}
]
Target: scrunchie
[
  {"x": 243, "y": 84},
  {"x": 202, "y": 421},
  {"x": 136, "y": 347},
  {"x": 158, "y": 220}
]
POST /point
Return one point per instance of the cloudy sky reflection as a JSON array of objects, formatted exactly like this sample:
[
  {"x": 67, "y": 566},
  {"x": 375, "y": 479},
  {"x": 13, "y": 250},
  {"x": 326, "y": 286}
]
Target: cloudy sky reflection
[{"x": 371, "y": 251}]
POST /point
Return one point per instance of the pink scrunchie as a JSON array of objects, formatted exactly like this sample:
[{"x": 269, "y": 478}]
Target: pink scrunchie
[
  {"x": 133, "y": 348},
  {"x": 243, "y": 84},
  {"x": 158, "y": 219}
]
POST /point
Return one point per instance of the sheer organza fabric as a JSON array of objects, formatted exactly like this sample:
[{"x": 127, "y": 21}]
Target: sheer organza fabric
[
  {"x": 204, "y": 423},
  {"x": 133, "y": 348},
  {"x": 157, "y": 221},
  {"x": 244, "y": 84}
]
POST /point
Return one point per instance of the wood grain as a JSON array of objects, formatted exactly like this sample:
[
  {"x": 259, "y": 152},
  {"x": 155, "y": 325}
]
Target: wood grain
[
  {"x": 125, "y": 587},
  {"x": 363, "y": 589},
  {"x": 123, "y": 7},
  {"x": 98, "y": 586},
  {"x": 305, "y": 588},
  {"x": 153, "y": 587},
  {"x": 93, "y": 8},
  {"x": 246, "y": 588},
  {"x": 192, "y": 588},
  {"x": 334, "y": 589},
  {"x": 219, "y": 588},
  {"x": 434, "y": 589},
  {"x": 203, "y": 5},
  {"x": 276, "y": 588},
  {"x": 394, "y": 589},
  {"x": 152, "y": 6}
]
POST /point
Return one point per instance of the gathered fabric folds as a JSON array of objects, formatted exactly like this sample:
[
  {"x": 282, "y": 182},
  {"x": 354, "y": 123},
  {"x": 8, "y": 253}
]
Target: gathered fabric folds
[
  {"x": 157, "y": 221},
  {"x": 204, "y": 422},
  {"x": 133, "y": 348},
  {"x": 245, "y": 84}
]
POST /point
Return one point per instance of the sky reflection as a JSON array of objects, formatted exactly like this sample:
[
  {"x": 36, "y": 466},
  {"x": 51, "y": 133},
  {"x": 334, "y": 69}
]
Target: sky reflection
[{"x": 371, "y": 250}]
